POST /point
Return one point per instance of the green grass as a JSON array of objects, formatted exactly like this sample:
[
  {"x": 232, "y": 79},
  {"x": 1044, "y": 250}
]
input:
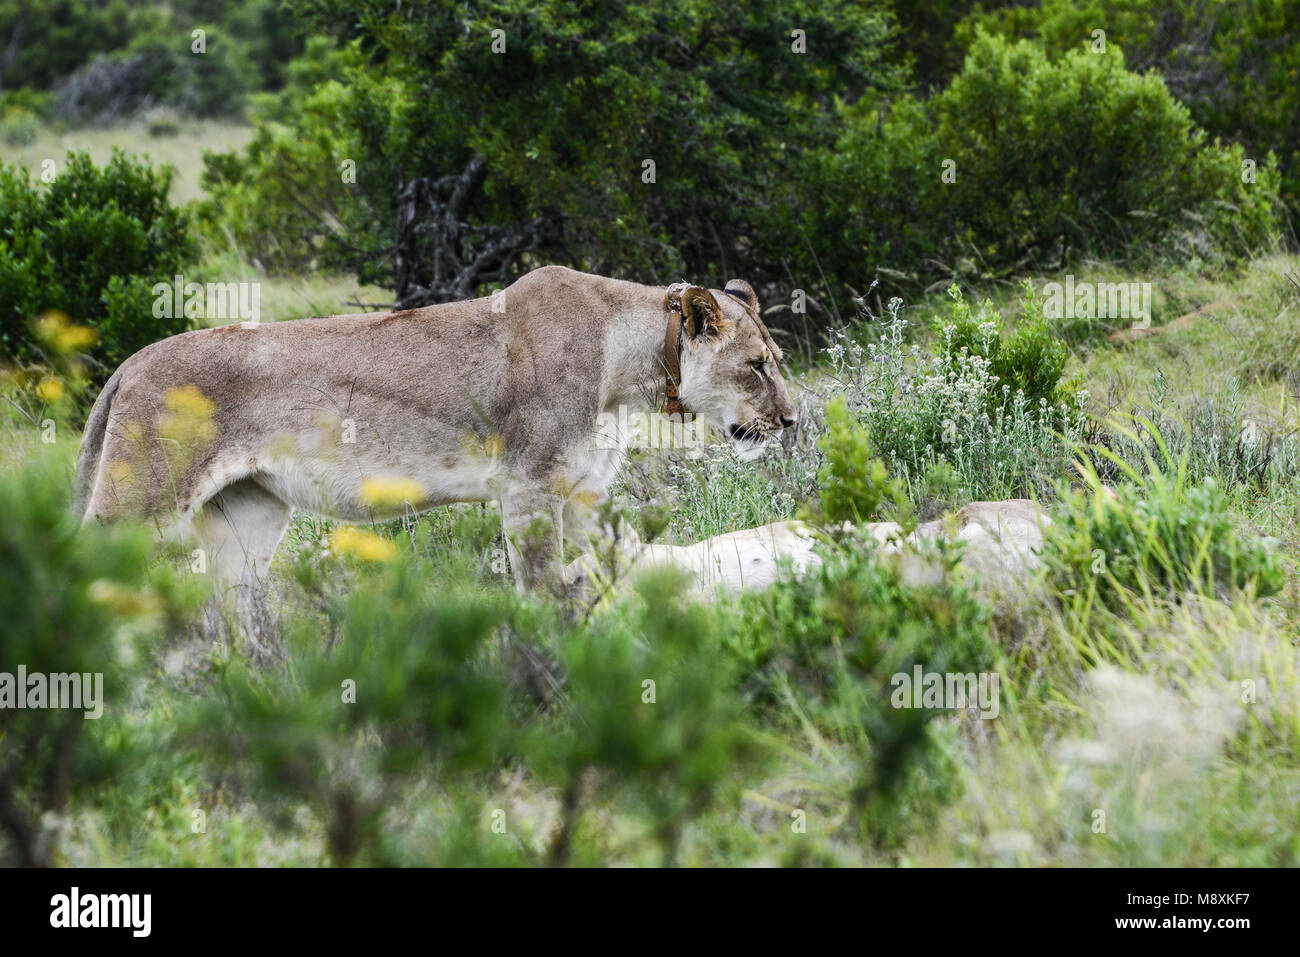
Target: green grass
[{"x": 182, "y": 150}]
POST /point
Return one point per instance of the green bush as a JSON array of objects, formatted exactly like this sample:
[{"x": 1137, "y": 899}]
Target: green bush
[
  {"x": 157, "y": 68},
  {"x": 417, "y": 680},
  {"x": 103, "y": 60},
  {"x": 52, "y": 38},
  {"x": 407, "y": 671},
  {"x": 993, "y": 409},
  {"x": 1049, "y": 161},
  {"x": 89, "y": 245},
  {"x": 1030, "y": 362},
  {"x": 719, "y": 110},
  {"x": 74, "y": 601},
  {"x": 855, "y": 486},
  {"x": 652, "y": 719},
  {"x": 1232, "y": 62},
  {"x": 824, "y": 653}
]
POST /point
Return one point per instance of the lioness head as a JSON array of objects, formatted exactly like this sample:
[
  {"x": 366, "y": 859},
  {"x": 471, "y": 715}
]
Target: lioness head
[{"x": 730, "y": 367}]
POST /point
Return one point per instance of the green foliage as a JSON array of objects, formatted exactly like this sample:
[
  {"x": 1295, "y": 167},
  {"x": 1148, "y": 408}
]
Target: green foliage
[
  {"x": 74, "y": 601},
  {"x": 1211, "y": 437},
  {"x": 1051, "y": 159},
  {"x": 1232, "y": 62},
  {"x": 1156, "y": 535},
  {"x": 155, "y": 69},
  {"x": 1055, "y": 159},
  {"x": 1031, "y": 361},
  {"x": 653, "y": 718},
  {"x": 414, "y": 682},
  {"x": 49, "y": 39},
  {"x": 107, "y": 59},
  {"x": 407, "y": 671},
  {"x": 926, "y": 29},
  {"x": 90, "y": 245},
  {"x": 827, "y": 652},
  {"x": 855, "y": 486},
  {"x": 712, "y": 93}
]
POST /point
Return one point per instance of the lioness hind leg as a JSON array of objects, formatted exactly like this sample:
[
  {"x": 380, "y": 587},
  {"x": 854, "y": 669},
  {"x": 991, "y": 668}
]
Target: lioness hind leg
[{"x": 240, "y": 528}]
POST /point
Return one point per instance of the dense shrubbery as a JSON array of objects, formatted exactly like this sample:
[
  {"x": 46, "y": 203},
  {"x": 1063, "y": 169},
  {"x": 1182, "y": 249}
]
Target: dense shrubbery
[
  {"x": 90, "y": 245},
  {"x": 1045, "y": 160},
  {"x": 1030, "y": 155},
  {"x": 1052, "y": 160},
  {"x": 410, "y": 668},
  {"x": 652, "y": 717},
  {"x": 153, "y": 71},
  {"x": 51, "y": 38},
  {"x": 1232, "y": 62},
  {"x": 20, "y": 116},
  {"x": 106, "y": 60},
  {"x": 712, "y": 94},
  {"x": 407, "y": 668},
  {"x": 823, "y": 653}
]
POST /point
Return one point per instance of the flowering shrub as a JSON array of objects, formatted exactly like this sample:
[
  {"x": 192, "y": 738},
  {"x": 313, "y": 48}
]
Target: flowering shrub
[{"x": 993, "y": 412}]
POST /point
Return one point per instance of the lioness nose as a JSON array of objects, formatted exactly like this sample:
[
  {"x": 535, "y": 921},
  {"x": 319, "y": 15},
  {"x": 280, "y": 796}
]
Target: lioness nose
[{"x": 788, "y": 421}]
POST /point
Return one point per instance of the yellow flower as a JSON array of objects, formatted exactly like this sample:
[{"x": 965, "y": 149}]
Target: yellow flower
[
  {"x": 188, "y": 400},
  {"x": 361, "y": 543},
  {"x": 63, "y": 336},
  {"x": 121, "y": 599},
  {"x": 189, "y": 416},
  {"x": 50, "y": 390},
  {"x": 380, "y": 491},
  {"x": 75, "y": 339},
  {"x": 49, "y": 323}
]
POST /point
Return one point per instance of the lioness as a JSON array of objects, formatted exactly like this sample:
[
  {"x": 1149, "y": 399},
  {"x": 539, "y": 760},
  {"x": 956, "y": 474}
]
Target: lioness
[{"x": 370, "y": 416}]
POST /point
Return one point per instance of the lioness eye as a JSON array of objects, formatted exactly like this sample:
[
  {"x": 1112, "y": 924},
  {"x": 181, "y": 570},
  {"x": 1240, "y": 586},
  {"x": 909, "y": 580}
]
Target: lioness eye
[{"x": 757, "y": 365}]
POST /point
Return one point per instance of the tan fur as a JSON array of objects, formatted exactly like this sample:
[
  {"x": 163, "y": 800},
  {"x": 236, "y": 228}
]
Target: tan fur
[{"x": 459, "y": 402}]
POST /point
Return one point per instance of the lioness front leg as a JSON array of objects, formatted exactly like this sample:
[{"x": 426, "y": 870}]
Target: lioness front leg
[
  {"x": 531, "y": 524},
  {"x": 608, "y": 543},
  {"x": 536, "y": 525}
]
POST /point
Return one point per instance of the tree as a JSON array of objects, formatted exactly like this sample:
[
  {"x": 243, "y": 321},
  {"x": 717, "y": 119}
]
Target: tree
[{"x": 643, "y": 140}]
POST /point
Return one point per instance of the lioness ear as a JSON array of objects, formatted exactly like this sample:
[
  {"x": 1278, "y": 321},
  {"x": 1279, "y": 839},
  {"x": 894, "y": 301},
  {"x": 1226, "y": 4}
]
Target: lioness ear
[
  {"x": 740, "y": 290},
  {"x": 701, "y": 314}
]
